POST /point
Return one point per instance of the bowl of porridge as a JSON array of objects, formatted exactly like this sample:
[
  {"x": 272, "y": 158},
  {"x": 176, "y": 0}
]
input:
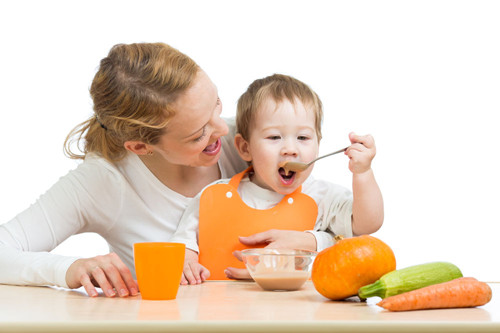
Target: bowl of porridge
[{"x": 279, "y": 269}]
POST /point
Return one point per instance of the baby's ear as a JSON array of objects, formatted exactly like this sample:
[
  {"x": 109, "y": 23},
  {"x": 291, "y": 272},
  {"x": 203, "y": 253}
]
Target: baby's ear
[{"x": 242, "y": 147}]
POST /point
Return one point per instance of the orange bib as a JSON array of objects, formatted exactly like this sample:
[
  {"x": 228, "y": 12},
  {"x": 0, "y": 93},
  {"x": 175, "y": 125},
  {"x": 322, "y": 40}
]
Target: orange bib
[{"x": 224, "y": 216}]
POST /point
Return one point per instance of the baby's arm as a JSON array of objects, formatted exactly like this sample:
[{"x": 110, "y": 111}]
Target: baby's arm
[
  {"x": 187, "y": 233},
  {"x": 368, "y": 205}
]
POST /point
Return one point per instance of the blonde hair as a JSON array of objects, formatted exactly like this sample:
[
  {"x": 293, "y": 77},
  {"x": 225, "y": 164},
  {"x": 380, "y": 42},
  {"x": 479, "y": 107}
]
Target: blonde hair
[
  {"x": 131, "y": 93},
  {"x": 278, "y": 87}
]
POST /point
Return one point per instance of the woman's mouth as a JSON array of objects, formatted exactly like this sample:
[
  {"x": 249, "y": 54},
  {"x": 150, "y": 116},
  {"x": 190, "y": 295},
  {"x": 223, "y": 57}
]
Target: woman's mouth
[
  {"x": 286, "y": 178},
  {"x": 214, "y": 148}
]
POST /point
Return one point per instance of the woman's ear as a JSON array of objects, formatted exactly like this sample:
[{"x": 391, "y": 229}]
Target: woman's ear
[
  {"x": 242, "y": 147},
  {"x": 138, "y": 147}
]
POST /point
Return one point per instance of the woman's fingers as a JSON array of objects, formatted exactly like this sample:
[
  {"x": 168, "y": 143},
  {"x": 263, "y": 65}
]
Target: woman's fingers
[
  {"x": 281, "y": 239},
  {"x": 238, "y": 255},
  {"x": 88, "y": 286},
  {"x": 237, "y": 273},
  {"x": 102, "y": 281},
  {"x": 121, "y": 277},
  {"x": 258, "y": 238},
  {"x": 107, "y": 272}
]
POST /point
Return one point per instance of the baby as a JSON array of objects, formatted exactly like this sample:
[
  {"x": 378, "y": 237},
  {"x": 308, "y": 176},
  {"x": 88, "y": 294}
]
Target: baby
[{"x": 278, "y": 120}]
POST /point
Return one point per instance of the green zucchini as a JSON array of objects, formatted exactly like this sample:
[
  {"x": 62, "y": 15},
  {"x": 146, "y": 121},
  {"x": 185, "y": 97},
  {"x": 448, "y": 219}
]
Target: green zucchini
[{"x": 410, "y": 278}]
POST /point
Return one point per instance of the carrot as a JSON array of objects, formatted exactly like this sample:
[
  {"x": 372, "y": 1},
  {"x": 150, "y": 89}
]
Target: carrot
[{"x": 457, "y": 293}]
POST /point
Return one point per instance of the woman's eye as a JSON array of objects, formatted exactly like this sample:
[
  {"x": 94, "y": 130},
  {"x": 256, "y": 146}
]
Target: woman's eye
[{"x": 198, "y": 139}]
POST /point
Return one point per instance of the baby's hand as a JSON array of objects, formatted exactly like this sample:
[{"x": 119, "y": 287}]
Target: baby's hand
[
  {"x": 360, "y": 153},
  {"x": 193, "y": 272}
]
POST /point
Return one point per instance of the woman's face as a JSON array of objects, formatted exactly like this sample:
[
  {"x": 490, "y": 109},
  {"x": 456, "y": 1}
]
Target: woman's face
[
  {"x": 193, "y": 135},
  {"x": 282, "y": 132}
]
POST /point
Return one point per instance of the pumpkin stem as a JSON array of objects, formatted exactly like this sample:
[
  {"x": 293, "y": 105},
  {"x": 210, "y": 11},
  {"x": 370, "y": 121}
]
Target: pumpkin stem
[{"x": 338, "y": 238}]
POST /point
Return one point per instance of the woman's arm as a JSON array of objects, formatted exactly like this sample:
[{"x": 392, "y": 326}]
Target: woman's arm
[
  {"x": 78, "y": 202},
  {"x": 24, "y": 245}
]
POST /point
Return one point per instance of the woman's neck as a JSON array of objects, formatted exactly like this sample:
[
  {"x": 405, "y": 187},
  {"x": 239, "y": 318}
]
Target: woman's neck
[{"x": 185, "y": 180}]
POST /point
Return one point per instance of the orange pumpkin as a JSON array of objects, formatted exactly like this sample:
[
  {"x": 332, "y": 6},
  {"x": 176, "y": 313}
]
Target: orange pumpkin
[{"x": 351, "y": 263}]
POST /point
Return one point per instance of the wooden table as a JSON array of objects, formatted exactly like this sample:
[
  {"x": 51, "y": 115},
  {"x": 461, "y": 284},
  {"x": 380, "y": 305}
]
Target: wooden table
[{"x": 226, "y": 306}]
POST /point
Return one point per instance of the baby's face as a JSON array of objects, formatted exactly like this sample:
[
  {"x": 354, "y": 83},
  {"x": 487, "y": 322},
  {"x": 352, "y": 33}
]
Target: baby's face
[{"x": 282, "y": 132}]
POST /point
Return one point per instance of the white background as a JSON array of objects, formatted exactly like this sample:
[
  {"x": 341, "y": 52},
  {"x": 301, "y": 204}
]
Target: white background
[{"x": 423, "y": 77}]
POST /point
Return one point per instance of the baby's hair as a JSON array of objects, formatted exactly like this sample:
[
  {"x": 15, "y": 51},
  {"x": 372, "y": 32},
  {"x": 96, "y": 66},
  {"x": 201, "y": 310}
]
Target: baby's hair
[{"x": 278, "y": 87}]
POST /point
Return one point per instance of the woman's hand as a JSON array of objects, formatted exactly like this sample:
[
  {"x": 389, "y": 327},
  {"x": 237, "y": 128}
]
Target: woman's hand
[
  {"x": 289, "y": 239},
  {"x": 238, "y": 273},
  {"x": 193, "y": 272},
  {"x": 107, "y": 272}
]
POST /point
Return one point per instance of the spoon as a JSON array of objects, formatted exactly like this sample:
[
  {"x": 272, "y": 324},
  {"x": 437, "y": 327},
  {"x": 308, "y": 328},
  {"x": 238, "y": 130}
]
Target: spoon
[{"x": 300, "y": 166}]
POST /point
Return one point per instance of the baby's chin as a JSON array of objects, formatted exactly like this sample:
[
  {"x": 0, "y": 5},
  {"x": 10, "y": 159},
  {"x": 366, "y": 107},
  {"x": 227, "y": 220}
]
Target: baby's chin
[{"x": 285, "y": 190}]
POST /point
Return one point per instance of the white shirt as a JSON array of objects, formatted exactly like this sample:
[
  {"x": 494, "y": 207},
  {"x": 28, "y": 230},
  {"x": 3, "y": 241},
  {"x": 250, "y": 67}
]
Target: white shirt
[
  {"x": 334, "y": 210},
  {"x": 123, "y": 202}
]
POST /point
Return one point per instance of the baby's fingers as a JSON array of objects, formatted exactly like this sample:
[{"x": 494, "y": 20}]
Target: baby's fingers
[
  {"x": 184, "y": 281},
  {"x": 204, "y": 273},
  {"x": 195, "y": 273},
  {"x": 188, "y": 275},
  {"x": 365, "y": 140}
]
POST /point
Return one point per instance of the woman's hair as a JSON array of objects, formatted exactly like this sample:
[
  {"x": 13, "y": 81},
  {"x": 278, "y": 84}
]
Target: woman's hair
[
  {"x": 278, "y": 87},
  {"x": 131, "y": 93}
]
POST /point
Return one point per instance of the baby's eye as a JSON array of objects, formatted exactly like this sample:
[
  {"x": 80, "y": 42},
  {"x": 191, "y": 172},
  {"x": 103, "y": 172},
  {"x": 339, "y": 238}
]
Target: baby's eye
[
  {"x": 274, "y": 137},
  {"x": 302, "y": 138}
]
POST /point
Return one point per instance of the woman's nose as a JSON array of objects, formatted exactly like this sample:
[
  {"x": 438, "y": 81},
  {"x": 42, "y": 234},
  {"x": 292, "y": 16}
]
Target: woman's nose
[{"x": 219, "y": 126}]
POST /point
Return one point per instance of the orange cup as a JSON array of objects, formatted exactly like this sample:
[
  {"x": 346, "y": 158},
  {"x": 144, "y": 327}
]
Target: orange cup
[{"x": 158, "y": 267}]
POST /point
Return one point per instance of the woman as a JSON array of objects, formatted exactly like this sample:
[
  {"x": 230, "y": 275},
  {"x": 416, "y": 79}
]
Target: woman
[{"x": 155, "y": 140}]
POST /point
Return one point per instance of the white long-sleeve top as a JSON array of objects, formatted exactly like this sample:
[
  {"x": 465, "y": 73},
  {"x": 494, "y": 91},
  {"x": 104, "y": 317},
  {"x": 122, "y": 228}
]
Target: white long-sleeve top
[
  {"x": 334, "y": 210},
  {"x": 123, "y": 202}
]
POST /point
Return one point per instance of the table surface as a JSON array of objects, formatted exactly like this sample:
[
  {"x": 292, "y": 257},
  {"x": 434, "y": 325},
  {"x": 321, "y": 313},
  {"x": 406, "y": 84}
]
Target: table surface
[{"x": 227, "y": 306}]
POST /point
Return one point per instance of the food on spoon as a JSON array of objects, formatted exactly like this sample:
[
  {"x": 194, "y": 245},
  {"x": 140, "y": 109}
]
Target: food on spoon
[
  {"x": 458, "y": 293},
  {"x": 284, "y": 167},
  {"x": 285, "y": 173},
  {"x": 340, "y": 270},
  {"x": 411, "y": 278}
]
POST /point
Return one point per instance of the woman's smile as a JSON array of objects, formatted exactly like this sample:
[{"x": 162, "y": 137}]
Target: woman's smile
[{"x": 214, "y": 148}]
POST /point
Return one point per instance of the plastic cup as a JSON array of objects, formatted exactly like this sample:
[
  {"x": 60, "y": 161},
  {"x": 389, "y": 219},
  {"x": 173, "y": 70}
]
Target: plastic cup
[{"x": 158, "y": 267}]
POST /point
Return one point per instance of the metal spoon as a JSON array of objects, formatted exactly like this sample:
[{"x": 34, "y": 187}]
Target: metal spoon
[{"x": 299, "y": 166}]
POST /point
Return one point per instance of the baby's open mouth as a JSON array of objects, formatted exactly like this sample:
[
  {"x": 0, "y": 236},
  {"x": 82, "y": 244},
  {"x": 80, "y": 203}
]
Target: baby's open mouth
[{"x": 286, "y": 178}]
